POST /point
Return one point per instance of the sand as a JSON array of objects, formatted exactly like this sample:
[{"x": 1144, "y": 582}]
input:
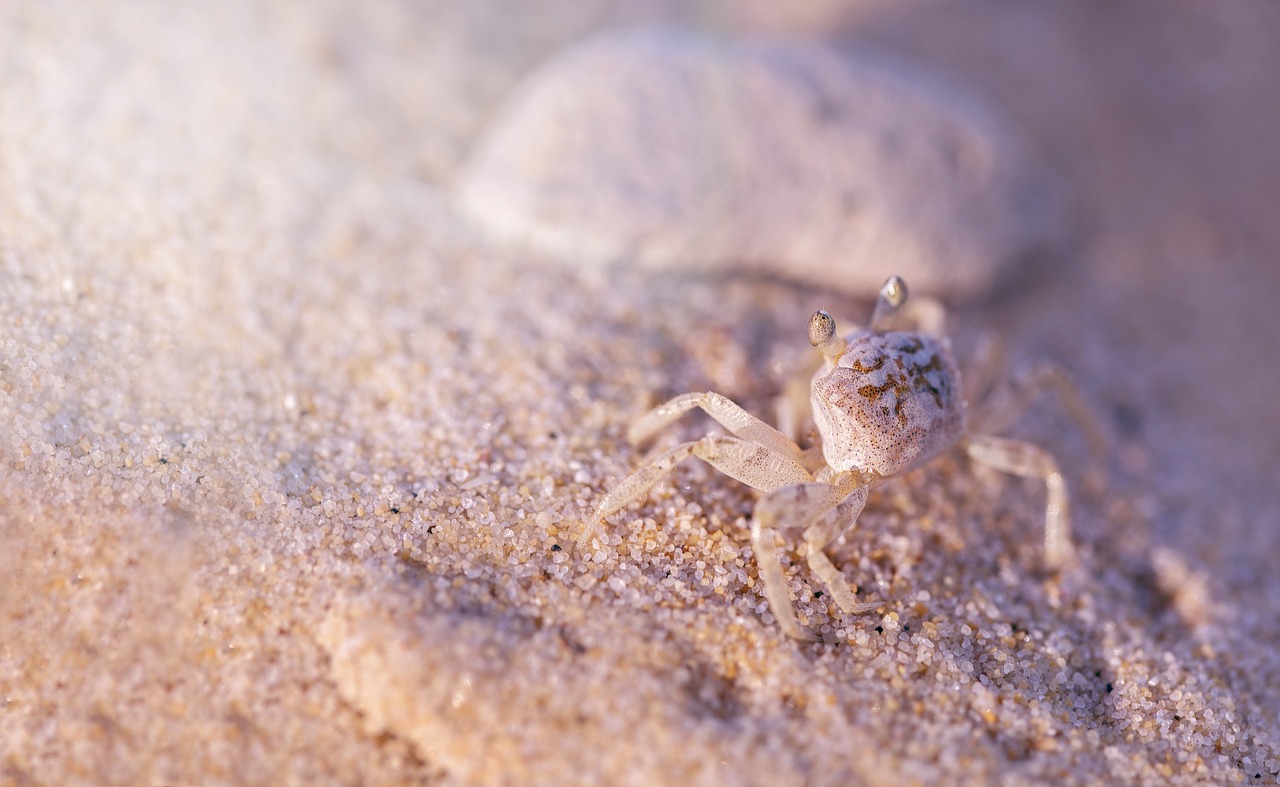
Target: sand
[{"x": 292, "y": 456}]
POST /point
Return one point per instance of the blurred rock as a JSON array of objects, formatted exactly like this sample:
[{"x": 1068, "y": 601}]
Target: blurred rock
[{"x": 671, "y": 150}]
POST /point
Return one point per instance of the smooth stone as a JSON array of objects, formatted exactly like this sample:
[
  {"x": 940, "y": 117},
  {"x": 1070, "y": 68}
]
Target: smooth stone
[{"x": 675, "y": 151}]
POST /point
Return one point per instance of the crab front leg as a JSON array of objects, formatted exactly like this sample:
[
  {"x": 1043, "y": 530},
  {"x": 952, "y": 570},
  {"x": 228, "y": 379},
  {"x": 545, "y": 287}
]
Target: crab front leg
[
  {"x": 823, "y": 511},
  {"x": 755, "y": 465},
  {"x": 1030, "y": 461},
  {"x": 724, "y": 410}
]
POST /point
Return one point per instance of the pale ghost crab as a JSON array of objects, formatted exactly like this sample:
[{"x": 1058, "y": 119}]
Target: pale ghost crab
[{"x": 883, "y": 402}]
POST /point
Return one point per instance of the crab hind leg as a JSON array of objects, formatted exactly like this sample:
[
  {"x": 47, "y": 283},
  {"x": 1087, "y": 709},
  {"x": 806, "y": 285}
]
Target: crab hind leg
[
  {"x": 1030, "y": 461},
  {"x": 1007, "y": 403}
]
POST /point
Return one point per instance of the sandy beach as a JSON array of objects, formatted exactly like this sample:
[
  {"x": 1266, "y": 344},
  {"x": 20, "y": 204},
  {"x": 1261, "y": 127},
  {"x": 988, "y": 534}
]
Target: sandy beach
[{"x": 322, "y": 325}]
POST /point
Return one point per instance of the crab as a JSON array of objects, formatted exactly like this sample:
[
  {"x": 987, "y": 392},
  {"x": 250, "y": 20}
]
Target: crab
[{"x": 883, "y": 402}]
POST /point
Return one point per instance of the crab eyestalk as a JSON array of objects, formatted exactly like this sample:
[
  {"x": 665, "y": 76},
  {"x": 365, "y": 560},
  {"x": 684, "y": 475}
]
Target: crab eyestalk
[
  {"x": 892, "y": 295},
  {"x": 822, "y": 334}
]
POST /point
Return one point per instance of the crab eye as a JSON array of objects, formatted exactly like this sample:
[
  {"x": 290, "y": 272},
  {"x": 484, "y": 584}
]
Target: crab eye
[
  {"x": 892, "y": 295},
  {"x": 822, "y": 327},
  {"x": 894, "y": 291}
]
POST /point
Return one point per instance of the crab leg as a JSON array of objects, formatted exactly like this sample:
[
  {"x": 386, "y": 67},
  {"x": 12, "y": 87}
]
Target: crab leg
[
  {"x": 824, "y": 510},
  {"x": 728, "y": 414},
  {"x": 748, "y": 462},
  {"x": 1031, "y": 461},
  {"x": 1010, "y": 401}
]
